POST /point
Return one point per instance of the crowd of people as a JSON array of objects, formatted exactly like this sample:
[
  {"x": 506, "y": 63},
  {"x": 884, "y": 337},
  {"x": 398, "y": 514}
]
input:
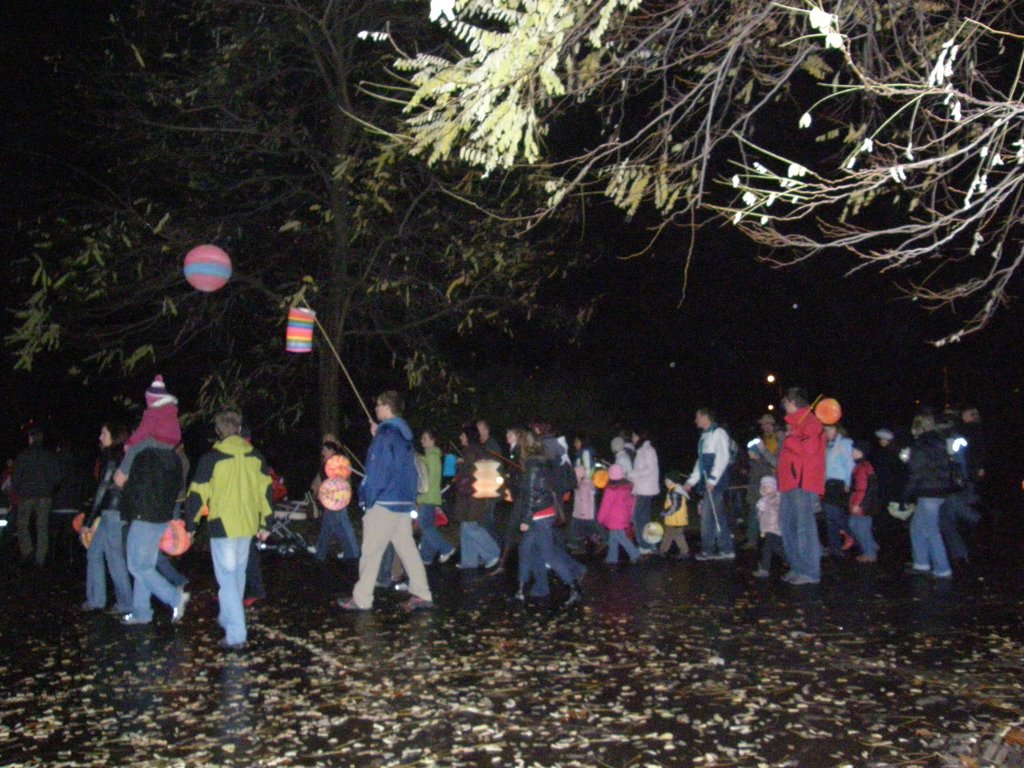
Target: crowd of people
[{"x": 540, "y": 504}]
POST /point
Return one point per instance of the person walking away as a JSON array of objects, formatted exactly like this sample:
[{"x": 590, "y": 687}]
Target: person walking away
[
  {"x": 106, "y": 552},
  {"x": 711, "y": 473},
  {"x": 675, "y": 517},
  {"x": 929, "y": 482},
  {"x": 864, "y": 504},
  {"x": 147, "y": 506},
  {"x": 232, "y": 481},
  {"x": 646, "y": 479},
  {"x": 801, "y": 479},
  {"x": 536, "y": 508},
  {"x": 388, "y": 493},
  {"x": 616, "y": 515},
  {"x": 36, "y": 475},
  {"x": 767, "y": 509}
]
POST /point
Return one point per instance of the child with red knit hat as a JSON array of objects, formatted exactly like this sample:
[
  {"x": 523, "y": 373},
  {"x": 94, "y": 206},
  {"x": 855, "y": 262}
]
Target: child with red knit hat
[{"x": 159, "y": 427}]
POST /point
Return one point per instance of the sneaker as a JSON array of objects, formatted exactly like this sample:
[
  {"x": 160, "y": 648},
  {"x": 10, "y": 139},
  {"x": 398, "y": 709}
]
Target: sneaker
[
  {"x": 401, "y": 586},
  {"x": 491, "y": 563},
  {"x": 446, "y": 556},
  {"x": 519, "y": 596},
  {"x": 915, "y": 571},
  {"x": 131, "y": 620},
  {"x": 761, "y": 573},
  {"x": 725, "y": 556},
  {"x": 703, "y": 557},
  {"x": 311, "y": 549},
  {"x": 417, "y": 604},
  {"x": 249, "y": 602},
  {"x": 799, "y": 581},
  {"x": 943, "y": 575},
  {"x": 179, "y": 610},
  {"x": 349, "y": 604}
]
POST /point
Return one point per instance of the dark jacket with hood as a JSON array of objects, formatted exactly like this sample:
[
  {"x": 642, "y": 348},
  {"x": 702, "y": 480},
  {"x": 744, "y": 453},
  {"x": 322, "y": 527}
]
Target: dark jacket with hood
[{"x": 152, "y": 488}]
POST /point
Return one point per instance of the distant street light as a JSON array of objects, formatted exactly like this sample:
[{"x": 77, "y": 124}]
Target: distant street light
[
  {"x": 771, "y": 407},
  {"x": 771, "y": 378}
]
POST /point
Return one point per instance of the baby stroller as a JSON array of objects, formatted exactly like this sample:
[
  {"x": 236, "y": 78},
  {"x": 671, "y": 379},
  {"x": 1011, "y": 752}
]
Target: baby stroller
[{"x": 283, "y": 539}]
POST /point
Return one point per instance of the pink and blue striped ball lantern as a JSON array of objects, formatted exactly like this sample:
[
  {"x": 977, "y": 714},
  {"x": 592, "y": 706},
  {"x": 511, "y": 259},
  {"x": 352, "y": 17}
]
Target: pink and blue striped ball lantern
[{"x": 207, "y": 268}]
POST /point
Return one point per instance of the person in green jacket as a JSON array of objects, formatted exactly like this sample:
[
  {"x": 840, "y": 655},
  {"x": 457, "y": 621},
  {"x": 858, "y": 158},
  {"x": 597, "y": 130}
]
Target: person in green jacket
[
  {"x": 233, "y": 482},
  {"x": 432, "y": 543}
]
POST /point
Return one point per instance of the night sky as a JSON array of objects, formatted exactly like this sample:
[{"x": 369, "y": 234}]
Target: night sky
[{"x": 650, "y": 358}]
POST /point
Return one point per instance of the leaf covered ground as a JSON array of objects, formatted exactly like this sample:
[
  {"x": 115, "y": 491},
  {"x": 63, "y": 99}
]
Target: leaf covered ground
[{"x": 667, "y": 664}]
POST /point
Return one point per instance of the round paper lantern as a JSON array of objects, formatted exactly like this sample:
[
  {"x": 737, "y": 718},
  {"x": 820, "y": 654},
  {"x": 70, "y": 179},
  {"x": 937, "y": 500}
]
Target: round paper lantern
[
  {"x": 828, "y": 411},
  {"x": 175, "y": 540},
  {"x": 334, "y": 493},
  {"x": 77, "y": 521},
  {"x": 207, "y": 268},
  {"x": 338, "y": 466},
  {"x": 653, "y": 533},
  {"x": 600, "y": 479}
]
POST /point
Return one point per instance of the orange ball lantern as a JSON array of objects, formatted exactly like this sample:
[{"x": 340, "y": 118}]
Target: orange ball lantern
[
  {"x": 335, "y": 493},
  {"x": 828, "y": 411},
  {"x": 175, "y": 540},
  {"x": 338, "y": 466},
  {"x": 77, "y": 522}
]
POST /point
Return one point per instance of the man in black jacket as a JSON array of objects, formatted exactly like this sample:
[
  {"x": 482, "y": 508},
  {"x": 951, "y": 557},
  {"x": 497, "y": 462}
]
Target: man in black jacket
[
  {"x": 147, "y": 503},
  {"x": 36, "y": 474}
]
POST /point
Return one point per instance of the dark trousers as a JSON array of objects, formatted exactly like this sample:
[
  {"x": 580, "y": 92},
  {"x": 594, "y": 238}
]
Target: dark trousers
[{"x": 771, "y": 546}]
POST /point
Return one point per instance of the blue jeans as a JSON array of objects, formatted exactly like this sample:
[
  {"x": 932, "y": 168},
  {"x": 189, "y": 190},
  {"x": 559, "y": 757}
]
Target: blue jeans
[
  {"x": 143, "y": 546},
  {"x": 715, "y": 524},
  {"x": 108, "y": 545},
  {"x": 956, "y": 510},
  {"x": 862, "y": 528},
  {"x": 836, "y": 520},
  {"x": 926, "y": 538},
  {"x": 230, "y": 557},
  {"x": 337, "y": 525},
  {"x": 800, "y": 533},
  {"x": 642, "y": 516},
  {"x": 478, "y": 548},
  {"x": 618, "y": 539},
  {"x": 537, "y": 551},
  {"x": 432, "y": 543}
]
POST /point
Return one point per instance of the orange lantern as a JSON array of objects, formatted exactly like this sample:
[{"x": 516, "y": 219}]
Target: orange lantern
[
  {"x": 338, "y": 466},
  {"x": 600, "y": 479},
  {"x": 77, "y": 521},
  {"x": 175, "y": 540},
  {"x": 486, "y": 479},
  {"x": 828, "y": 411}
]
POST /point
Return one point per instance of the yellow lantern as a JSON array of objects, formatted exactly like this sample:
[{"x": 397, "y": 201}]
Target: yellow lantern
[{"x": 486, "y": 479}]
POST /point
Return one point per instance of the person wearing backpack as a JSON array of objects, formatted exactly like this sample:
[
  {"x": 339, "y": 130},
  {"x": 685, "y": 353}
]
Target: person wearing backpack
[{"x": 865, "y": 502}]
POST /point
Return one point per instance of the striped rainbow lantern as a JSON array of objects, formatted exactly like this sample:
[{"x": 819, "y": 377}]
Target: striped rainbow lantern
[
  {"x": 207, "y": 268},
  {"x": 298, "y": 335}
]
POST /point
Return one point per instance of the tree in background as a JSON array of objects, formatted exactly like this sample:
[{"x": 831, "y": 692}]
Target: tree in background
[
  {"x": 913, "y": 166},
  {"x": 242, "y": 124}
]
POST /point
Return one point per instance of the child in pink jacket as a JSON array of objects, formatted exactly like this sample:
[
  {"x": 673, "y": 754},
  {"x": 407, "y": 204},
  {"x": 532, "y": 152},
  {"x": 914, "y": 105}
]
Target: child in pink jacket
[{"x": 616, "y": 514}]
